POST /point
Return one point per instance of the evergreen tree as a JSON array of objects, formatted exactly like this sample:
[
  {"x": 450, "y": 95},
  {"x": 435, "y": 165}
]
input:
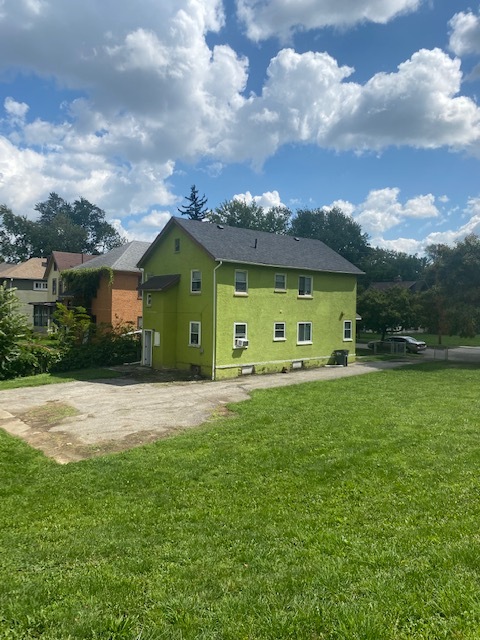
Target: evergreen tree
[
  {"x": 13, "y": 329},
  {"x": 195, "y": 209}
]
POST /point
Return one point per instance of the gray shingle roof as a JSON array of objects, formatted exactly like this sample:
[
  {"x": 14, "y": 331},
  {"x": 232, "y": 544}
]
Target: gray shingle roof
[
  {"x": 232, "y": 244},
  {"x": 123, "y": 258},
  {"x": 160, "y": 283}
]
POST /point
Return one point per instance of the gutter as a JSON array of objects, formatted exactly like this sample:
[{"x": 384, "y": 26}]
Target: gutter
[{"x": 214, "y": 344}]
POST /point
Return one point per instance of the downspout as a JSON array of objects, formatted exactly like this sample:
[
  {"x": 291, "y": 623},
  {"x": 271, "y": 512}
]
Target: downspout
[{"x": 214, "y": 345}]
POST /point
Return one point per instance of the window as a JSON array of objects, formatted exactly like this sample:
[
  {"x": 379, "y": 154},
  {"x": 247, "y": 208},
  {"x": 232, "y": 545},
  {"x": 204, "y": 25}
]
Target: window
[
  {"x": 41, "y": 316},
  {"x": 280, "y": 282},
  {"x": 54, "y": 286},
  {"x": 241, "y": 282},
  {"x": 240, "y": 335},
  {"x": 196, "y": 281},
  {"x": 148, "y": 300},
  {"x": 279, "y": 331},
  {"x": 304, "y": 286},
  {"x": 176, "y": 245},
  {"x": 347, "y": 330},
  {"x": 304, "y": 333},
  {"x": 40, "y": 286},
  {"x": 139, "y": 292},
  {"x": 195, "y": 334},
  {"x": 139, "y": 322}
]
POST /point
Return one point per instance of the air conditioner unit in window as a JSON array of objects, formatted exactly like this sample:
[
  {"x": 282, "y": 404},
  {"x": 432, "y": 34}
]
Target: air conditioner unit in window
[{"x": 241, "y": 343}]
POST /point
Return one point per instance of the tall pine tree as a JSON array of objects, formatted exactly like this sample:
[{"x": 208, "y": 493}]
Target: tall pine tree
[{"x": 195, "y": 209}]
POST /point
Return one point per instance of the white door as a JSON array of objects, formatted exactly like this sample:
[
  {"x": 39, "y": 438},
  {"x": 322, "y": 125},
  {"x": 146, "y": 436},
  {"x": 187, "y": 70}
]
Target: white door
[{"x": 147, "y": 348}]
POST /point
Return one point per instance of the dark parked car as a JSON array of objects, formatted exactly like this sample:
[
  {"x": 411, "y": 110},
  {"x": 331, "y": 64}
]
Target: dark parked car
[{"x": 412, "y": 345}]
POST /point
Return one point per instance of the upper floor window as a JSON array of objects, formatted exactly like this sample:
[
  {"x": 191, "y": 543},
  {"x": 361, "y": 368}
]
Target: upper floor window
[
  {"x": 54, "y": 286},
  {"x": 304, "y": 333},
  {"x": 148, "y": 299},
  {"x": 347, "y": 330},
  {"x": 280, "y": 282},
  {"x": 305, "y": 286},
  {"x": 176, "y": 245},
  {"x": 194, "y": 334},
  {"x": 241, "y": 282},
  {"x": 40, "y": 285},
  {"x": 196, "y": 281}
]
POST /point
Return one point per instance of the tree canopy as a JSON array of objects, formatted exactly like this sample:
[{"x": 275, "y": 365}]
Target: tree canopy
[
  {"x": 239, "y": 213},
  {"x": 453, "y": 302},
  {"x": 335, "y": 228},
  {"x": 384, "y": 265},
  {"x": 78, "y": 227},
  {"x": 195, "y": 209},
  {"x": 389, "y": 310}
]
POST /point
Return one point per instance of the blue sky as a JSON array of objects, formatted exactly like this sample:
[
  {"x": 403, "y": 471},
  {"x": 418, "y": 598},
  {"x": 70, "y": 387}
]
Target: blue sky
[{"x": 370, "y": 105}]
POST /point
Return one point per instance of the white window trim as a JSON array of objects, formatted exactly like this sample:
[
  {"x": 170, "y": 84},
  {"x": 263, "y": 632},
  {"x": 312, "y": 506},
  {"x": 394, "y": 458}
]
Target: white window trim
[
  {"x": 148, "y": 299},
  {"x": 351, "y": 331},
  {"x": 275, "y": 339},
  {"x": 240, "y": 293},
  {"x": 40, "y": 285},
  {"x": 305, "y": 295},
  {"x": 194, "y": 344},
  {"x": 235, "y": 337},
  {"x": 311, "y": 333},
  {"x": 191, "y": 281},
  {"x": 275, "y": 288}
]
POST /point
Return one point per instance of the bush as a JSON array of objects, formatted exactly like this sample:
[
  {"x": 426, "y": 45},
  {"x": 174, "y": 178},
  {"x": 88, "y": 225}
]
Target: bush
[
  {"x": 107, "y": 347},
  {"x": 30, "y": 360}
]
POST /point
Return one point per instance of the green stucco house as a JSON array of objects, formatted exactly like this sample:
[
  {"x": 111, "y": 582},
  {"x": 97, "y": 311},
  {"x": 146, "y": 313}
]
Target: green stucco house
[{"x": 223, "y": 301}]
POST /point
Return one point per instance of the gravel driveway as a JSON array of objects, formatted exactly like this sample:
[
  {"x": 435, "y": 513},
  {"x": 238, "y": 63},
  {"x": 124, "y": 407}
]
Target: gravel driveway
[{"x": 78, "y": 420}]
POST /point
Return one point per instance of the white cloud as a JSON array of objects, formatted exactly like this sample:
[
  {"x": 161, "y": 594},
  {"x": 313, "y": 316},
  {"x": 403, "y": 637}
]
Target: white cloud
[
  {"x": 382, "y": 210},
  {"x": 155, "y": 92},
  {"x": 465, "y": 33},
  {"x": 267, "y": 200},
  {"x": 145, "y": 227},
  {"x": 267, "y": 18},
  {"x": 347, "y": 207},
  {"x": 306, "y": 99},
  {"x": 405, "y": 245},
  {"x": 16, "y": 111}
]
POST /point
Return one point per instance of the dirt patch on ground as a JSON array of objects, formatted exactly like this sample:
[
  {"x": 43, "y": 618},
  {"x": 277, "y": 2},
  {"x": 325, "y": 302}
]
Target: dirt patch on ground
[{"x": 85, "y": 419}]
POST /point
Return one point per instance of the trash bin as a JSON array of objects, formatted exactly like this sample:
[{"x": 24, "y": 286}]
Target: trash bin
[{"x": 341, "y": 357}]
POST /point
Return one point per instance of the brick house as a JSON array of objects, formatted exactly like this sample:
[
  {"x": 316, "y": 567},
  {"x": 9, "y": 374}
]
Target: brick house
[{"x": 117, "y": 297}]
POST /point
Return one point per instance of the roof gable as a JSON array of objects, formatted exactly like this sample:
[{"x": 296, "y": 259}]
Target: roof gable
[
  {"x": 32, "y": 269},
  {"x": 123, "y": 258},
  {"x": 247, "y": 246},
  {"x": 66, "y": 260}
]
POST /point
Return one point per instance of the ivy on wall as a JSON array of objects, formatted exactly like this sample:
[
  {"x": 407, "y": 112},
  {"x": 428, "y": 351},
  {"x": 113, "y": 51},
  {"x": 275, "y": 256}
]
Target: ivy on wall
[{"x": 84, "y": 283}]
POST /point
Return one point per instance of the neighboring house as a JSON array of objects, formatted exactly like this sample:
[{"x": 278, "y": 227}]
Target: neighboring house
[
  {"x": 28, "y": 280},
  {"x": 117, "y": 298},
  {"x": 414, "y": 286},
  {"x": 224, "y": 301},
  {"x": 57, "y": 262}
]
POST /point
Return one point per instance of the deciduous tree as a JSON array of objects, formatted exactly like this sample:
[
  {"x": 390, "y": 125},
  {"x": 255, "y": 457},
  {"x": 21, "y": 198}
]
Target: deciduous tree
[
  {"x": 336, "y": 229},
  {"x": 239, "y": 213},
  {"x": 388, "y": 310},
  {"x": 78, "y": 227}
]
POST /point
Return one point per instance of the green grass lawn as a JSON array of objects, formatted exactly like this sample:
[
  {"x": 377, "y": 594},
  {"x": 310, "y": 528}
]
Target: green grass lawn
[
  {"x": 342, "y": 510},
  {"x": 56, "y": 378}
]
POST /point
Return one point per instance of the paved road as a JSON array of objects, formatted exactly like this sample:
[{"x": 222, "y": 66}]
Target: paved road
[{"x": 112, "y": 415}]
